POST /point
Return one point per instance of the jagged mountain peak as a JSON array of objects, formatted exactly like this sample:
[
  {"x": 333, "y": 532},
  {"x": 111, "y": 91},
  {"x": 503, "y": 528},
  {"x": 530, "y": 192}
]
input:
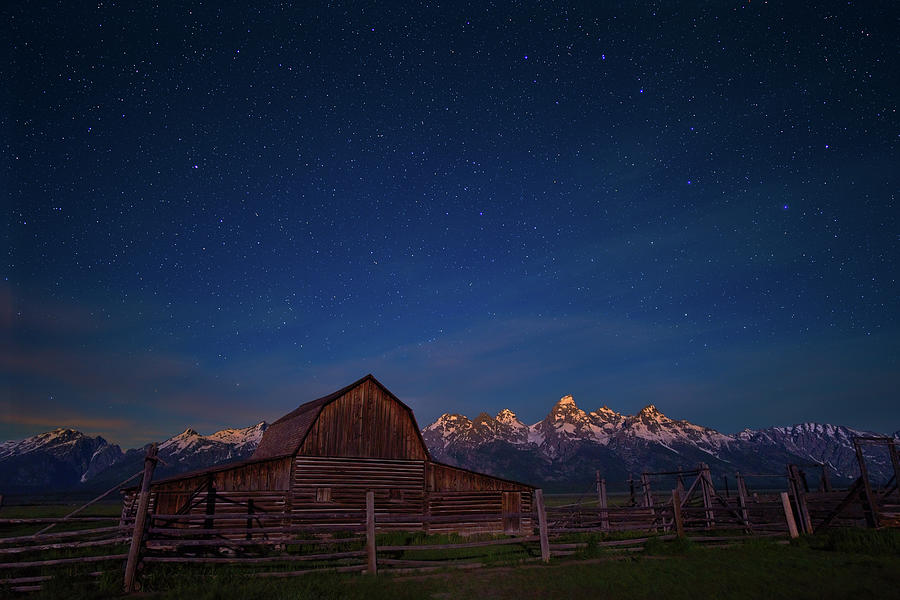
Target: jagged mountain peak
[
  {"x": 650, "y": 410},
  {"x": 507, "y": 416},
  {"x": 567, "y": 402}
]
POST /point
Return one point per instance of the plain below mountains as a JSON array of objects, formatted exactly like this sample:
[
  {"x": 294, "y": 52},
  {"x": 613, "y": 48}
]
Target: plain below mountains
[{"x": 563, "y": 451}]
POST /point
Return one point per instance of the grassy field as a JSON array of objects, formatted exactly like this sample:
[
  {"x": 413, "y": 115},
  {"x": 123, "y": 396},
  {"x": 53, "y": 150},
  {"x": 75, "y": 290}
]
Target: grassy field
[
  {"x": 841, "y": 564},
  {"x": 838, "y": 564}
]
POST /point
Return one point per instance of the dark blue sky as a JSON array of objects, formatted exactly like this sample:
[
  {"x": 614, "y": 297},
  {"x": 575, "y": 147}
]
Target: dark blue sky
[{"x": 215, "y": 213}]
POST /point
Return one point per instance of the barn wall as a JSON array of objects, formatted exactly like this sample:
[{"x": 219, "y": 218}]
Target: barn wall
[
  {"x": 333, "y": 485},
  {"x": 460, "y": 493},
  {"x": 444, "y": 478},
  {"x": 267, "y": 483},
  {"x": 365, "y": 422}
]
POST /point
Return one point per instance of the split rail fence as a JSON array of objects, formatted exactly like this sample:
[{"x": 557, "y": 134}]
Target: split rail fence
[{"x": 664, "y": 505}]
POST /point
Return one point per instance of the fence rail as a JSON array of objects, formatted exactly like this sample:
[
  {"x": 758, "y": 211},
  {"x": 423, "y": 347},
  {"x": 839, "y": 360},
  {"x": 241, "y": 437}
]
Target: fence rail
[{"x": 276, "y": 543}]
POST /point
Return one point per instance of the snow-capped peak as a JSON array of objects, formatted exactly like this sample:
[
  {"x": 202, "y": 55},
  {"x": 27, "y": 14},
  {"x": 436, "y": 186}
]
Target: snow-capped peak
[
  {"x": 227, "y": 440},
  {"x": 651, "y": 411}
]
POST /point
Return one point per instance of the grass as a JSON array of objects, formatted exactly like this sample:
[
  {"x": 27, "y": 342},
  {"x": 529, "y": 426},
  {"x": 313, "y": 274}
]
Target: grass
[
  {"x": 759, "y": 569},
  {"x": 840, "y": 563},
  {"x": 42, "y": 511}
]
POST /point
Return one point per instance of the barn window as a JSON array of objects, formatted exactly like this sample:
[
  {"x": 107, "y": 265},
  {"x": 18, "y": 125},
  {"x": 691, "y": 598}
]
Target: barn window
[
  {"x": 323, "y": 494},
  {"x": 396, "y": 495}
]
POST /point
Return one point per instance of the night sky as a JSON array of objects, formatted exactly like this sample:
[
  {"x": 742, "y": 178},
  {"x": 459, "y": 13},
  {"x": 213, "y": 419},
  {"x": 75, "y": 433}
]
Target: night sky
[{"x": 215, "y": 213}]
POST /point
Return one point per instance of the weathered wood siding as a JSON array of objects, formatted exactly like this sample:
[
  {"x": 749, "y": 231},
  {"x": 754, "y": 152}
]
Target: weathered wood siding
[
  {"x": 454, "y": 492},
  {"x": 323, "y": 486},
  {"x": 267, "y": 483},
  {"x": 444, "y": 478},
  {"x": 365, "y": 422}
]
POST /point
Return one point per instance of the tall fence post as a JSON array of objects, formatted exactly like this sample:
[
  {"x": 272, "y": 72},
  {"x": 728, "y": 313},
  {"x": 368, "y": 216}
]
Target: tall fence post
[
  {"x": 140, "y": 520},
  {"x": 797, "y": 486},
  {"x": 789, "y": 515},
  {"x": 370, "y": 533},
  {"x": 869, "y": 507},
  {"x": 742, "y": 500},
  {"x": 826, "y": 480},
  {"x": 542, "y": 524},
  {"x": 604, "y": 506},
  {"x": 895, "y": 463},
  {"x": 647, "y": 496},
  {"x": 676, "y": 512},
  {"x": 707, "y": 490}
]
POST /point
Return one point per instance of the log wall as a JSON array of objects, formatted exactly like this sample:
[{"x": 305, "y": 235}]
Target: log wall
[{"x": 335, "y": 484}]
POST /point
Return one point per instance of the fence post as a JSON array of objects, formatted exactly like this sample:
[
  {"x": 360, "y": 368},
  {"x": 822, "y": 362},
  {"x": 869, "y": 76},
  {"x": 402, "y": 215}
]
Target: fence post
[
  {"x": 895, "y": 463},
  {"x": 742, "y": 500},
  {"x": 542, "y": 524},
  {"x": 140, "y": 520},
  {"x": 676, "y": 510},
  {"x": 869, "y": 507},
  {"x": 706, "y": 488},
  {"x": 604, "y": 506},
  {"x": 797, "y": 484},
  {"x": 370, "y": 533},
  {"x": 789, "y": 515},
  {"x": 645, "y": 491},
  {"x": 826, "y": 481}
]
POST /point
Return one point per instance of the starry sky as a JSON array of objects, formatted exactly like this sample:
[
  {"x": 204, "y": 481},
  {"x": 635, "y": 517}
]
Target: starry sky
[{"x": 216, "y": 212}]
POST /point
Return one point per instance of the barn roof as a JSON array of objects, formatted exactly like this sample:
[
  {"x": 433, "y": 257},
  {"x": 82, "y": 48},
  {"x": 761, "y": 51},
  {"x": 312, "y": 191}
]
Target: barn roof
[{"x": 286, "y": 435}]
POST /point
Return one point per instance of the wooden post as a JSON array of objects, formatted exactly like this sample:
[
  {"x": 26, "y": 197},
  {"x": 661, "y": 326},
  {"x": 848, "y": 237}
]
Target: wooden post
[
  {"x": 140, "y": 520},
  {"x": 542, "y": 524},
  {"x": 676, "y": 510},
  {"x": 680, "y": 485},
  {"x": 796, "y": 485},
  {"x": 706, "y": 489},
  {"x": 826, "y": 481},
  {"x": 249, "y": 518},
  {"x": 631, "y": 491},
  {"x": 742, "y": 500},
  {"x": 604, "y": 506},
  {"x": 895, "y": 462},
  {"x": 869, "y": 507},
  {"x": 789, "y": 515},
  {"x": 370, "y": 533},
  {"x": 647, "y": 497},
  {"x": 727, "y": 491}
]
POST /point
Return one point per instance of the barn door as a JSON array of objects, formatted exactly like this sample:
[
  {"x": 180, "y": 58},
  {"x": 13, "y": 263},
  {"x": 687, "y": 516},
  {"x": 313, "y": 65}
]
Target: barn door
[{"x": 512, "y": 506}]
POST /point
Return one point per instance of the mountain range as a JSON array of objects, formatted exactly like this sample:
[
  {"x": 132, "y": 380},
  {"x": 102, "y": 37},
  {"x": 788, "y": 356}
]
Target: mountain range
[{"x": 563, "y": 451}]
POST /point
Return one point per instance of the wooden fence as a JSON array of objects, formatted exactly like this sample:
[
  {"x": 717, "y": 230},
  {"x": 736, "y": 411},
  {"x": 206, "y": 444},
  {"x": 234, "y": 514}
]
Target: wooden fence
[{"x": 273, "y": 543}]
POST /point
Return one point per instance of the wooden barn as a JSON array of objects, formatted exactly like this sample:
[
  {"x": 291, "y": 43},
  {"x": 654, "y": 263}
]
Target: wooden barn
[{"x": 320, "y": 460}]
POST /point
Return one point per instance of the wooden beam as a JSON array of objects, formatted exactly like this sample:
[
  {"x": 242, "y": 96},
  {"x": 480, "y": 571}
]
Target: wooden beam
[
  {"x": 789, "y": 515},
  {"x": 140, "y": 520},
  {"x": 742, "y": 500},
  {"x": 676, "y": 509},
  {"x": 371, "y": 550},
  {"x": 869, "y": 507},
  {"x": 542, "y": 524},
  {"x": 604, "y": 505}
]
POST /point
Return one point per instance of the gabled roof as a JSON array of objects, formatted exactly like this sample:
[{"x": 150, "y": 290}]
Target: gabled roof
[{"x": 286, "y": 435}]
